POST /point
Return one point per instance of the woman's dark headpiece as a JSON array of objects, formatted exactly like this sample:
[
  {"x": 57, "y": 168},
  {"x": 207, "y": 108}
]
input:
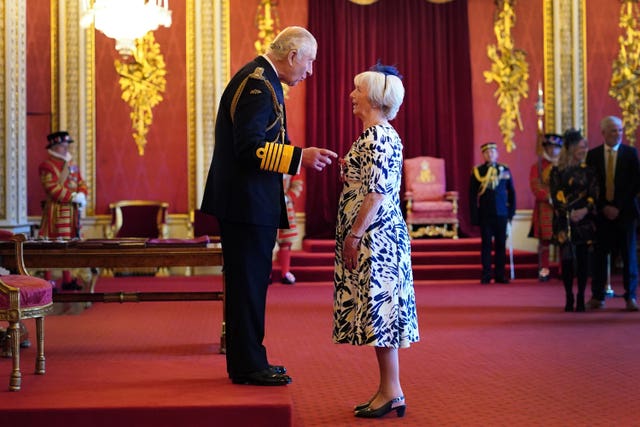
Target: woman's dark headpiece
[
  {"x": 571, "y": 137},
  {"x": 387, "y": 70}
]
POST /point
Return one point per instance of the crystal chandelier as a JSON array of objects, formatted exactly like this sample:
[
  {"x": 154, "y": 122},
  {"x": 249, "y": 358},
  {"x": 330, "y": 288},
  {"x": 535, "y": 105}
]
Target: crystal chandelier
[{"x": 126, "y": 20}]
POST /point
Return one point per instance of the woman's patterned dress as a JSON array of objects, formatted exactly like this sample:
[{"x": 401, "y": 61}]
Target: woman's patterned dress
[
  {"x": 375, "y": 304},
  {"x": 574, "y": 187}
]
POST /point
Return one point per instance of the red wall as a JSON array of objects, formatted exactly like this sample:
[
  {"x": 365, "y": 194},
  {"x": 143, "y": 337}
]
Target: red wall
[
  {"x": 528, "y": 36},
  {"x": 602, "y": 48},
  {"x": 38, "y": 120},
  {"x": 162, "y": 172}
]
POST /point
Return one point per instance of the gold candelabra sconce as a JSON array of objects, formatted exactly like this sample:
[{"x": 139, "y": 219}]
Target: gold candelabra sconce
[
  {"x": 625, "y": 78},
  {"x": 268, "y": 25},
  {"x": 142, "y": 81},
  {"x": 509, "y": 70}
]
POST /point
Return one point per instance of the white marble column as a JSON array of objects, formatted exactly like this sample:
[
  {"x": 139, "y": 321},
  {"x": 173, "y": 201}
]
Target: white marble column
[{"x": 13, "y": 103}]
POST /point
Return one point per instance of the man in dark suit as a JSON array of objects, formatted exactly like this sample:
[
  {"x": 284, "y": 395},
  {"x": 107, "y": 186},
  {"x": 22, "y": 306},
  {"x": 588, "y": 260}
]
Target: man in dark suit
[
  {"x": 618, "y": 171},
  {"x": 244, "y": 190},
  {"x": 492, "y": 202}
]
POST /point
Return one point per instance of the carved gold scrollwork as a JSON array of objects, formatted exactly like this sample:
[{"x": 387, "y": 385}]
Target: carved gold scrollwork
[
  {"x": 268, "y": 24},
  {"x": 142, "y": 80},
  {"x": 510, "y": 71},
  {"x": 625, "y": 79}
]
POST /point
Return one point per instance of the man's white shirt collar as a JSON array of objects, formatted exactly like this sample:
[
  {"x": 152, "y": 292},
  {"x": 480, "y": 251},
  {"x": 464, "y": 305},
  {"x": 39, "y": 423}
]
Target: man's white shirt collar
[{"x": 270, "y": 63}]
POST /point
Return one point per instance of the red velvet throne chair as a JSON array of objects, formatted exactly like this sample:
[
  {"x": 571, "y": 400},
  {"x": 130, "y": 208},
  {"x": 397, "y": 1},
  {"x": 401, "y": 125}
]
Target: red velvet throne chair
[{"x": 432, "y": 211}]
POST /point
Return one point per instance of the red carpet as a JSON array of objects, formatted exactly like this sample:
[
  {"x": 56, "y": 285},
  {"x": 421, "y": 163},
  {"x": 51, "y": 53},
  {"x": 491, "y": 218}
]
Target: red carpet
[
  {"x": 149, "y": 364},
  {"x": 489, "y": 355},
  {"x": 433, "y": 259}
]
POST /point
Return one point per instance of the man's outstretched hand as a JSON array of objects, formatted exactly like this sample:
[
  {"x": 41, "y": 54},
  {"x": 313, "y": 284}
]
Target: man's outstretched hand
[{"x": 317, "y": 158}]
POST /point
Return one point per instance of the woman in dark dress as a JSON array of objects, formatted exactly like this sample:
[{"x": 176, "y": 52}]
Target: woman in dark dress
[{"x": 574, "y": 190}]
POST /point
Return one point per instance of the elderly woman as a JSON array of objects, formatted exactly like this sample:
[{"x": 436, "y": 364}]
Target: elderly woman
[
  {"x": 374, "y": 300},
  {"x": 574, "y": 191}
]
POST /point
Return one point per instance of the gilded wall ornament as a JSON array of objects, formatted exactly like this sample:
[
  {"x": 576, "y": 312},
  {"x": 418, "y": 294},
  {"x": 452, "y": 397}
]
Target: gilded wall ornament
[
  {"x": 509, "y": 70},
  {"x": 625, "y": 79},
  {"x": 142, "y": 80},
  {"x": 268, "y": 24}
]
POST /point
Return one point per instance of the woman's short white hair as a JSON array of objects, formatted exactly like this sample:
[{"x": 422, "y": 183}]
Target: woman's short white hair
[
  {"x": 293, "y": 38},
  {"x": 385, "y": 90}
]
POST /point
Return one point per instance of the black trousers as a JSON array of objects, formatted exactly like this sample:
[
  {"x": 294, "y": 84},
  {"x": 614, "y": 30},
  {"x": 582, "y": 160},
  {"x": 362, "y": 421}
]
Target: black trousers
[
  {"x": 615, "y": 237},
  {"x": 493, "y": 228},
  {"x": 247, "y": 251}
]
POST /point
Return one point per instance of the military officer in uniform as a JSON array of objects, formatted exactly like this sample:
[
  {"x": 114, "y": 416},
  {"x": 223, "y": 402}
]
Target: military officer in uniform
[
  {"x": 244, "y": 190},
  {"x": 492, "y": 201}
]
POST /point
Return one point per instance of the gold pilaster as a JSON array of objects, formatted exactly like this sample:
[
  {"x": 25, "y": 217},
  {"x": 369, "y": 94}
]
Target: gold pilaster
[
  {"x": 208, "y": 72},
  {"x": 565, "y": 65},
  {"x": 73, "y": 87}
]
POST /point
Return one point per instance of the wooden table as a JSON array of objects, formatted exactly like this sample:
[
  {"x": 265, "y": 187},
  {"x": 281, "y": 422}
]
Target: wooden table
[{"x": 119, "y": 253}]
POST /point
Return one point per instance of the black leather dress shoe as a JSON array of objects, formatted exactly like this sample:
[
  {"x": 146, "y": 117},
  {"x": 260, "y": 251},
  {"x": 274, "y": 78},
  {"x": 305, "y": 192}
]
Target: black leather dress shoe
[
  {"x": 502, "y": 280},
  {"x": 264, "y": 377},
  {"x": 72, "y": 286},
  {"x": 278, "y": 369}
]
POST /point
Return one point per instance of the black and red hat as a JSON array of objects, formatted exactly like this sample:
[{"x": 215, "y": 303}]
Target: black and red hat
[{"x": 58, "y": 138}]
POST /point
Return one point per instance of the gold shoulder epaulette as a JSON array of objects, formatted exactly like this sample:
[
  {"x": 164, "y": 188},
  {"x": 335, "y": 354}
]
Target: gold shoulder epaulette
[{"x": 258, "y": 73}]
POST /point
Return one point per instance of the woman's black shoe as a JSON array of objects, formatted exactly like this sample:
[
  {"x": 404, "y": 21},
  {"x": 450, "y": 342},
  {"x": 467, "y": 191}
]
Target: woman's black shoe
[
  {"x": 362, "y": 406},
  {"x": 568, "y": 306},
  {"x": 369, "y": 412}
]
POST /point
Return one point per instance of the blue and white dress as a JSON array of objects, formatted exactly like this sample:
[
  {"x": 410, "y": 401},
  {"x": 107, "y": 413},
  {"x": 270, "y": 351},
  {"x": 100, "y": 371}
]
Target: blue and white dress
[{"x": 375, "y": 304}]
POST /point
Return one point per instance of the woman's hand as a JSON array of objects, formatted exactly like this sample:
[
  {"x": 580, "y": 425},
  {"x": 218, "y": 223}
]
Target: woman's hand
[
  {"x": 578, "y": 214},
  {"x": 350, "y": 251}
]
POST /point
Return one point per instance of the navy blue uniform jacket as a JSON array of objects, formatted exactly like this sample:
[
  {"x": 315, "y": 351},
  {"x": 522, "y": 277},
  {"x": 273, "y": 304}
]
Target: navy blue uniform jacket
[
  {"x": 498, "y": 202},
  {"x": 251, "y": 150}
]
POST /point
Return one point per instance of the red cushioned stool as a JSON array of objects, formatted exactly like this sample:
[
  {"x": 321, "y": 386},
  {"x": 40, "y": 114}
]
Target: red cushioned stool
[{"x": 24, "y": 297}]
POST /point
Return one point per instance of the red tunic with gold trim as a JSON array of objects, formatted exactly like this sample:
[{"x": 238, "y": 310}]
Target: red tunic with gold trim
[
  {"x": 60, "y": 216},
  {"x": 542, "y": 218}
]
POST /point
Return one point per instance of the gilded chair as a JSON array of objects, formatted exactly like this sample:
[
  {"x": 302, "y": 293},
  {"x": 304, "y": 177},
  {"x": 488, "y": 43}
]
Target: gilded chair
[
  {"x": 24, "y": 297},
  {"x": 203, "y": 224},
  {"x": 138, "y": 218},
  {"x": 432, "y": 211}
]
